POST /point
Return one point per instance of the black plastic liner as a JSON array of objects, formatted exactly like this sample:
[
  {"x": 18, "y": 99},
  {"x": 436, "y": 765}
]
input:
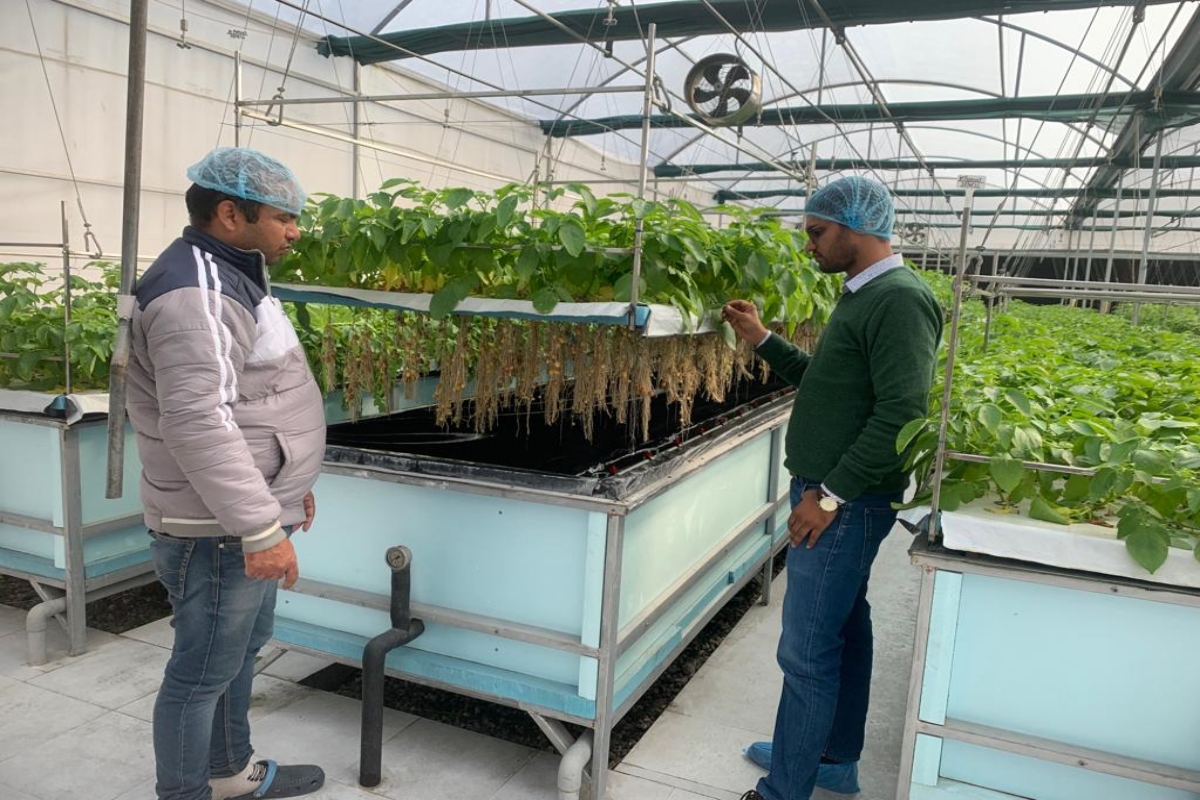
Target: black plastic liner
[{"x": 523, "y": 451}]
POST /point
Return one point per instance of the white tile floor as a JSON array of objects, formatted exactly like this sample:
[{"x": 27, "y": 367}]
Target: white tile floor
[{"x": 80, "y": 727}]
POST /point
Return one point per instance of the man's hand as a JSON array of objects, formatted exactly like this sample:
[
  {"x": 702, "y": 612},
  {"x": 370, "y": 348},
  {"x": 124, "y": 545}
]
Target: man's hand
[
  {"x": 310, "y": 511},
  {"x": 808, "y": 521},
  {"x": 277, "y": 563},
  {"x": 742, "y": 316}
]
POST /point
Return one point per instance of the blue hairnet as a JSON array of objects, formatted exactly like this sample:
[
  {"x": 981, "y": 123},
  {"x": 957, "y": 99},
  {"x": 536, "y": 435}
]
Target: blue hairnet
[
  {"x": 250, "y": 175},
  {"x": 858, "y": 203}
]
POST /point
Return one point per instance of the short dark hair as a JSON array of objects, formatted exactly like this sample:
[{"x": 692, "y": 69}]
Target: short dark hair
[{"x": 202, "y": 205}]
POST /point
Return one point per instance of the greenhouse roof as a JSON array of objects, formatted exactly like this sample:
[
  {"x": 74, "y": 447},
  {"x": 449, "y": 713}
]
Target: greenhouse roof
[{"x": 675, "y": 19}]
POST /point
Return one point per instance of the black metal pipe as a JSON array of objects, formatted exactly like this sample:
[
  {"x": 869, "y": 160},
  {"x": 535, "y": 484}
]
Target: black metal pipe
[{"x": 404, "y": 629}]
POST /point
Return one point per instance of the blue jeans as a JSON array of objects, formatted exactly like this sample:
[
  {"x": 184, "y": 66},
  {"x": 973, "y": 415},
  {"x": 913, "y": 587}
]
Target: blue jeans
[
  {"x": 825, "y": 649},
  {"x": 222, "y": 618}
]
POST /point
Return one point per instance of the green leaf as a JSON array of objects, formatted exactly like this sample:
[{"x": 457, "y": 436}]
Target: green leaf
[
  {"x": 1146, "y": 539},
  {"x": 908, "y": 433},
  {"x": 303, "y": 318},
  {"x": 1076, "y": 488},
  {"x": 527, "y": 262},
  {"x": 27, "y": 363},
  {"x": 504, "y": 211},
  {"x": 758, "y": 268},
  {"x": 571, "y": 234},
  {"x": 990, "y": 417},
  {"x": 1046, "y": 511},
  {"x": 1151, "y": 461},
  {"x": 545, "y": 299},
  {"x": 1102, "y": 484},
  {"x": 444, "y": 301},
  {"x": 623, "y": 288},
  {"x": 1019, "y": 400},
  {"x": 457, "y": 197},
  {"x": 1006, "y": 472}
]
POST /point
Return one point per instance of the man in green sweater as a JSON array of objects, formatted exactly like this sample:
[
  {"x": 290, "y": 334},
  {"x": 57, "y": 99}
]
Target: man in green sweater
[{"x": 868, "y": 376}]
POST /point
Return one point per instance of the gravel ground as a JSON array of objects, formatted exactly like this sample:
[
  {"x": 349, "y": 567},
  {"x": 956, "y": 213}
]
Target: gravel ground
[
  {"x": 116, "y": 613},
  {"x": 136, "y": 607}
]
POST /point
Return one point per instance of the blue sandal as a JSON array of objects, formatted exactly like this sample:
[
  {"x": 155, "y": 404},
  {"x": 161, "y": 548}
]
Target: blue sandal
[{"x": 288, "y": 781}]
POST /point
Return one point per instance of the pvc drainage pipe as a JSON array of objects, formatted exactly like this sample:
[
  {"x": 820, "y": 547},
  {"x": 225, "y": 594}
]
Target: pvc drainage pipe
[
  {"x": 570, "y": 769},
  {"x": 35, "y": 627}
]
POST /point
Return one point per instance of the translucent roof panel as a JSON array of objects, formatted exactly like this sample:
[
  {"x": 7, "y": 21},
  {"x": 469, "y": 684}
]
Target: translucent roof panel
[{"x": 1109, "y": 51}]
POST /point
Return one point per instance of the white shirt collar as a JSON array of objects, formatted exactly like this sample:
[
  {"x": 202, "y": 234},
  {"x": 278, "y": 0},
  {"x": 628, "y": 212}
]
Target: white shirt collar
[{"x": 872, "y": 272}]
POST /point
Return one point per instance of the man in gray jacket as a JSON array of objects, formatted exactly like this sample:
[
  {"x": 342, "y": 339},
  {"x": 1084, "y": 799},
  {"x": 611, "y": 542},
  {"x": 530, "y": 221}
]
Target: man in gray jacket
[{"x": 231, "y": 432}]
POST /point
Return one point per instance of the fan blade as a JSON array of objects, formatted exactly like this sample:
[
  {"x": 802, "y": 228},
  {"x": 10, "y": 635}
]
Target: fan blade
[
  {"x": 739, "y": 72},
  {"x": 712, "y": 74},
  {"x": 722, "y": 109},
  {"x": 704, "y": 95},
  {"x": 741, "y": 95}
]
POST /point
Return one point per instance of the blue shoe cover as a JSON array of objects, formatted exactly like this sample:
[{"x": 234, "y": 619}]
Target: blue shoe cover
[{"x": 837, "y": 778}]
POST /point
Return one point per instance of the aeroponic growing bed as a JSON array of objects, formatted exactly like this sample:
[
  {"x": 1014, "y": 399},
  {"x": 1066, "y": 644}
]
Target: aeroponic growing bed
[{"x": 554, "y": 574}]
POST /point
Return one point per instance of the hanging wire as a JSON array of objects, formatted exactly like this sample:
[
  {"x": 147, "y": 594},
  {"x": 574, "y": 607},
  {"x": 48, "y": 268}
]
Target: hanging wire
[
  {"x": 89, "y": 237},
  {"x": 288, "y": 66}
]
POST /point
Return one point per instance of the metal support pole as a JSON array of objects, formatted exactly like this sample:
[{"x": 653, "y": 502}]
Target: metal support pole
[
  {"x": 768, "y": 569},
  {"x": 1112, "y": 241},
  {"x": 1087, "y": 265},
  {"x": 610, "y": 607},
  {"x": 916, "y": 679},
  {"x": 237, "y": 98},
  {"x": 75, "y": 583},
  {"x": 1154, "y": 176},
  {"x": 66, "y": 254},
  {"x": 951, "y": 348},
  {"x": 134, "y": 101},
  {"x": 643, "y": 170},
  {"x": 355, "y": 188}
]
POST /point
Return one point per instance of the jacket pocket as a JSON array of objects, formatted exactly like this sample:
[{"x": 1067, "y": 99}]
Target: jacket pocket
[{"x": 302, "y": 454}]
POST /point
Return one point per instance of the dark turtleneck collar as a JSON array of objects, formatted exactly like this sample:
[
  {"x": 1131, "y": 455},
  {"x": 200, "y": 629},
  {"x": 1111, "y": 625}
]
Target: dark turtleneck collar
[{"x": 249, "y": 262}]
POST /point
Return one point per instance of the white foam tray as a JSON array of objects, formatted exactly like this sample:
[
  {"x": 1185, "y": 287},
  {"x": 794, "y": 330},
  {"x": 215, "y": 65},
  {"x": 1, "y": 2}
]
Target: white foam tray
[{"x": 1082, "y": 546}]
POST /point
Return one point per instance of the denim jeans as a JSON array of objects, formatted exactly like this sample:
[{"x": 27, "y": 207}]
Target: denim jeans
[
  {"x": 222, "y": 618},
  {"x": 825, "y": 649}
]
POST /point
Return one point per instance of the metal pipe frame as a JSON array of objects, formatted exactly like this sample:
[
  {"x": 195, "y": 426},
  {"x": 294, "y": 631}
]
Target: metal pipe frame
[
  {"x": 530, "y": 634},
  {"x": 1064, "y": 753},
  {"x": 606, "y": 673},
  {"x": 643, "y": 170},
  {"x": 72, "y": 511},
  {"x": 932, "y": 563},
  {"x": 499, "y": 699},
  {"x": 1154, "y": 178},
  {"x": 1055, "y": 283},
  {"x": 948, "y": 375},
  {"x": 768, "y": 523},
  {"x": 388, "y": 98},
  {"x": 916, "y": 680},
  {"x": 1089, "y": 294}
]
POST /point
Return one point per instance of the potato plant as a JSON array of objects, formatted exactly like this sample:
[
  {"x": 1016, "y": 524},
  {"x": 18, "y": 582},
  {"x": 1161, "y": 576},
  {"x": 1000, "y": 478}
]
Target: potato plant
[
  {"x": 1074, "y": 387},
  {"x": 34, "y": 339}
]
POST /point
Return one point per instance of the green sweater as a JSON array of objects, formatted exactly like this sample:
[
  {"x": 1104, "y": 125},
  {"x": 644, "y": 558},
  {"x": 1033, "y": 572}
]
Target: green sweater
[{"x": 868, "y": 377}]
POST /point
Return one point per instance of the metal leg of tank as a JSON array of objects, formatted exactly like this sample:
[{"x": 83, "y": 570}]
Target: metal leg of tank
[
  {"x": 768, "y": 571},
  {"x": 920, "y": 643},
  {"x": 72, "y": 511},
  {"x": 609, "y": 650}
]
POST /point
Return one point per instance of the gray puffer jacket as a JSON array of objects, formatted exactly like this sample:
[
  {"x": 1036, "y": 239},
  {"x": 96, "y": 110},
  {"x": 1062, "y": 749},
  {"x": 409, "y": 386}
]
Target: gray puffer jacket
[{"x": 230, "y": 422}]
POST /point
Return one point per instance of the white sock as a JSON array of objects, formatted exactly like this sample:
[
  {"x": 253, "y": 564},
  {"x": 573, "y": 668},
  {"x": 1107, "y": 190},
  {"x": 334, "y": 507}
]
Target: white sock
[{"x": 244, "y": 782}]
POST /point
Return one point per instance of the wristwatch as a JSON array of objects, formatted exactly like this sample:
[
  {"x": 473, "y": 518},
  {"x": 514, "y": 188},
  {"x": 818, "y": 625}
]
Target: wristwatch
[{"x": 827, "y": 502}]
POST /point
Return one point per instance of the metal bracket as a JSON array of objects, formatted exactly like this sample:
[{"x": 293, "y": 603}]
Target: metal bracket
[{"x": 279, "y": 119}]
